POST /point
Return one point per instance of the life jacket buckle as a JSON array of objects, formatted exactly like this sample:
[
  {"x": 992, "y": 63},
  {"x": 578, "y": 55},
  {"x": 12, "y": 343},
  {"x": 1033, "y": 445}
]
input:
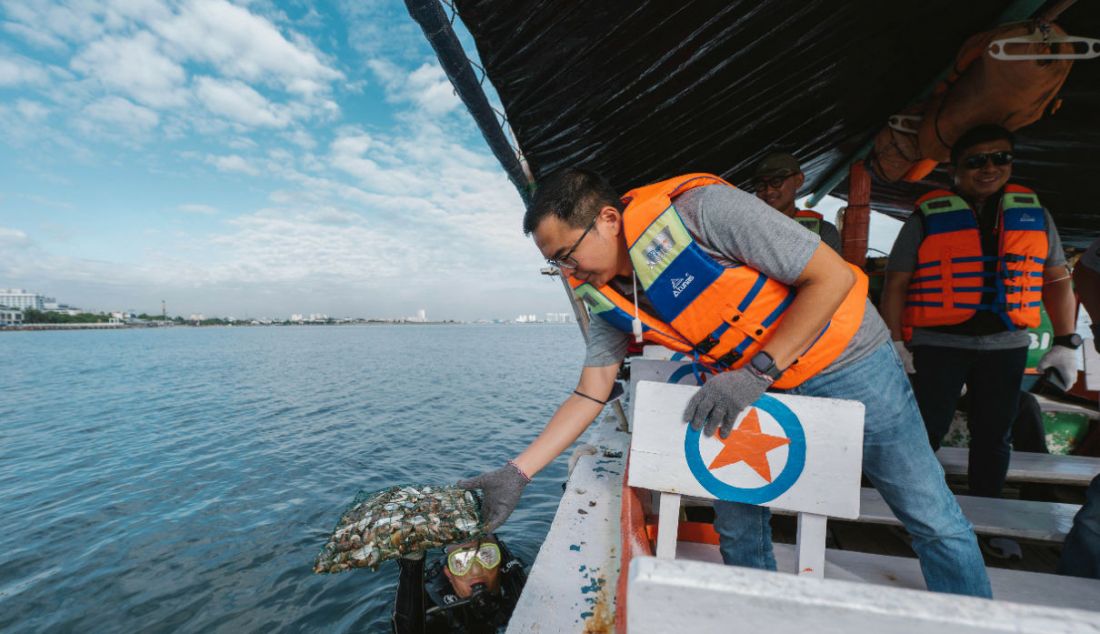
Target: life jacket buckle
[
  {"x": 707, "y": 344},
  {"x": 730, "y": 358}
]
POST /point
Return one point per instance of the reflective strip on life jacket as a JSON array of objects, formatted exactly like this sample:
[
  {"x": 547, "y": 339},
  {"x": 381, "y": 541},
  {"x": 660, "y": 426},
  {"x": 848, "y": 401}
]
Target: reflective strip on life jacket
[
  {"x": 954, "y": 278},
  {"x": 720, "y": 315}
]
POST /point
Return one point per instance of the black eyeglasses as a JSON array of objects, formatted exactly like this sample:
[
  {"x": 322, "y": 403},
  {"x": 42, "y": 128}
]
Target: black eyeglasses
[
  {"x": 775, "y": 182},
  {"x": 565, "y": 260},
  {"x": 978, "y": 161}
]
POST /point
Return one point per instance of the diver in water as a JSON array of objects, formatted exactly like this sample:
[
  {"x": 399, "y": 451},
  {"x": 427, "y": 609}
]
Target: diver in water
[{"x": 473, "y": 589}]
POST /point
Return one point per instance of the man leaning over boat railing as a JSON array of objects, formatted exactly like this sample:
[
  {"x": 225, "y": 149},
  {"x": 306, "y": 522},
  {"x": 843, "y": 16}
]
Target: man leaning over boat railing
[{"x": 751, "y": 292}]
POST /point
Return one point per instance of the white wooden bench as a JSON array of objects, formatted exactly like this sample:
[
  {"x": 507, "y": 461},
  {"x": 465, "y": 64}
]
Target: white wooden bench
[
  {"x": 792, "y": 453},
  {"x": 704, "y": 598},
  {"x": 1030, "y": 467}
]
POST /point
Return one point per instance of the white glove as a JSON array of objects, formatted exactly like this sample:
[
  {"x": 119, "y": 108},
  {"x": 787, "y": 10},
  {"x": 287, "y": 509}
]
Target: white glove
[
  {"x": 906, "y": 357},
  {"x": 1064, "y": 362}
]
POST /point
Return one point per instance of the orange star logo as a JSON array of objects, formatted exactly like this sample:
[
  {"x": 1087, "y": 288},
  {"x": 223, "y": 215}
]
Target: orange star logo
[{"x": 746, "y": 444}]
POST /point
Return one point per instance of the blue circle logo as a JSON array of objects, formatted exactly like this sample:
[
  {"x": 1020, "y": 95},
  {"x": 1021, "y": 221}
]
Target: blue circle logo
[{"x": 747, "y": 444}]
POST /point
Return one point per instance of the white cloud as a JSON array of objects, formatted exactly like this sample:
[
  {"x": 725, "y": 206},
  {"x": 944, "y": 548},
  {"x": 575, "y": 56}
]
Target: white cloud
[
  {"x": 118, "y": 116},
  {"x": 134, "y": 66},
  {"x": 232, "y": 163},
  {"x": 197, "y": 208},
  {"x": 238, "y": 102},
  {"x": 243, "y": 45},
  {"x": 20, "y": 70},
  {"x": 427, "y": 88},
  {"x": 31, "y": 110},
  {"x": 13, "y": 238}
]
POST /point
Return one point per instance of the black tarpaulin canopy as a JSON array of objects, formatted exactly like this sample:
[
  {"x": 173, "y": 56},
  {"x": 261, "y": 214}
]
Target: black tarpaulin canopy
[{"x": 647, "y": 89}]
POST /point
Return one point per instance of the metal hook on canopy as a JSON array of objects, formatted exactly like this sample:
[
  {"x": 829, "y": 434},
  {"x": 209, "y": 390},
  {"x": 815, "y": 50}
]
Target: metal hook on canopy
[
  {"x": 1082, "y": 47},
  {"x": 906, "y": 123}
]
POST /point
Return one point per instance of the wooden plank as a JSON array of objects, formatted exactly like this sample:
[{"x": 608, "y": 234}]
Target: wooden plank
[
  {"x": 572, "y": 583},
  {"x": 1030, "y": 467},
  {"x": 659, "y": 371},
  {"x": 1092, "y": 366},
  {"x": 904, "y": 572},
  {"x": 668, "y": 519},
  {"x": 811, "y": 545},
  {"x": 661, "y": 353},
  {"x": 1020, "y": 519},
  {"x": 795, "y": 453}
]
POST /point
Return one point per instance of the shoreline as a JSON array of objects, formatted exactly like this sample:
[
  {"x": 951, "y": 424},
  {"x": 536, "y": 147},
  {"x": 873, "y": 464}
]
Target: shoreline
[{"x": 106, "y": 326}]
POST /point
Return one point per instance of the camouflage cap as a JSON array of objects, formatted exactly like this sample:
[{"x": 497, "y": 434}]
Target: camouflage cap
[{"x": 777, "y": 164}]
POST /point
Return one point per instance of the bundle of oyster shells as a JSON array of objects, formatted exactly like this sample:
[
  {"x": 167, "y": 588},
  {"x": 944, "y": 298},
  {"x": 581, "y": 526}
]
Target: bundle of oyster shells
[{"x": 398, "y": 521}]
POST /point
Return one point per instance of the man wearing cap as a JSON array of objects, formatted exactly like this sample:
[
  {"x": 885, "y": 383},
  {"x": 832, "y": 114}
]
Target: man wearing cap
[
  {"x": 776, "y": 181},
  {"x": 967, "y": 275}
]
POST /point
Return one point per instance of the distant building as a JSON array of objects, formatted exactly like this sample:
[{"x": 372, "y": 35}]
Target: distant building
[
  {"x": 558, "y": 318},
  {"x": 64, "y": 309},
  {"x": 10, "y": 317},
  {"x": 23, "y": 299},
  {"x": 422, "y": 315}
]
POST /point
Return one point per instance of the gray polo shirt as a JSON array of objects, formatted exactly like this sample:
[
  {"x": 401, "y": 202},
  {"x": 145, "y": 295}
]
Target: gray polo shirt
[
  {"x": 733, "y": 226},
  {"x": 903, "y": 259}
]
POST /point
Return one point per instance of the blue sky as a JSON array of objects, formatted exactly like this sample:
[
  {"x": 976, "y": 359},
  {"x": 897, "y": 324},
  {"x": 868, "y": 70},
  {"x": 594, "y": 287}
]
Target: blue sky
[{"x": 251, "y": 158}]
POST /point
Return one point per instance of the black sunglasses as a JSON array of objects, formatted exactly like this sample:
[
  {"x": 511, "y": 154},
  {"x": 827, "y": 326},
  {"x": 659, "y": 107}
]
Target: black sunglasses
[
  {"x": 977, "y": 161},
  {"x": 565, "y": 260},
  {"x": 775, "y": 182}
]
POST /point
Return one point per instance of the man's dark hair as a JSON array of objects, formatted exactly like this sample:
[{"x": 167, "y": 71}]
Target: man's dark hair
[
  {"x": 979, "y": 134},
  {"x": 573, "y": 194}
]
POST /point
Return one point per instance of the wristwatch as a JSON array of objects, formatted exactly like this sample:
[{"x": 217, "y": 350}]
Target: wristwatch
[
  {"x": 763, "y": 363},
  {"x": 1072, "y": 341}
]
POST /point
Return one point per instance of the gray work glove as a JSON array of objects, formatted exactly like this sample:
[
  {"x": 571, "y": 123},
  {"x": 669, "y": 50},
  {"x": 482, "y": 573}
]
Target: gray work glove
[
  {"x": 1064, "y": 362},
  {"x": 717, "y": 404},
  {"x": 906, "y": 357},
  {"x": 500, "y": 491}
]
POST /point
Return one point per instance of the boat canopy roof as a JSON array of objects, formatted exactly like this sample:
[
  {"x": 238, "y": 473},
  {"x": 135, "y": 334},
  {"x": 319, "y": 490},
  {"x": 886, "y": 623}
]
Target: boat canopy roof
[{"x": 647, "y": 89}]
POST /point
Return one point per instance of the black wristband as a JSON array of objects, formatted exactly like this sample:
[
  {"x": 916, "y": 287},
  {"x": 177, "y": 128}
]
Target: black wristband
[
  {"x": 1071, "y": 341},
  {"x": 591, "y": 398}
]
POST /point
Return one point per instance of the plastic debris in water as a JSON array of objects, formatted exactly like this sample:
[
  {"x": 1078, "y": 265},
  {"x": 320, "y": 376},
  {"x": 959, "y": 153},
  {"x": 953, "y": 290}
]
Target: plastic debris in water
[{"x": 399, "y": 521}]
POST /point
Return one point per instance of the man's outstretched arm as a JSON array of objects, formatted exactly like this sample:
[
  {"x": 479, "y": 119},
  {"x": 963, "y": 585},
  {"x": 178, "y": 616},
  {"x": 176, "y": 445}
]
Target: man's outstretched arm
[{"x": 501, "y": 489}]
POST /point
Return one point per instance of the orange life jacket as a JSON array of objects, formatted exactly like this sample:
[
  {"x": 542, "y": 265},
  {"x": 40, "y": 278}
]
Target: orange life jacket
[
  {"x": 722, "y": 315},
  {"x": 809, "y": 219},
  {"x": 953, "y": 273}
]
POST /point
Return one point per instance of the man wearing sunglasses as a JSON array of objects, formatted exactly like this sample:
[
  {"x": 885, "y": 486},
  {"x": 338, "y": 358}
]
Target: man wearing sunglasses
[
  {"x": 701, "y": 267},
  {"x": 967, "y": 275},
  {"x": 777, "y": 181},
  {"x": 473, "y": 588}
]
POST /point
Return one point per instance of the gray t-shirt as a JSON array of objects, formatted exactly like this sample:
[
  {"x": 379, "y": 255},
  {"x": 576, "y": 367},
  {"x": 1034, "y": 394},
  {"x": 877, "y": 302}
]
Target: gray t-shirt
[
  {"x": 903, "y": 259},
  {"x": 733, "y": 226}
]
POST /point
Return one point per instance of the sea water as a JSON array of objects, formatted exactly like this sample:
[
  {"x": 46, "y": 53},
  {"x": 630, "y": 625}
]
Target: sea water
[{"x": 183, "y": 479}]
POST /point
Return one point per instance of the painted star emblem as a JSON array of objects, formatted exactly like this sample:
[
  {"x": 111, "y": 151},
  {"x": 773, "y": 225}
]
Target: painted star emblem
[{"x": 747, "y": 444}]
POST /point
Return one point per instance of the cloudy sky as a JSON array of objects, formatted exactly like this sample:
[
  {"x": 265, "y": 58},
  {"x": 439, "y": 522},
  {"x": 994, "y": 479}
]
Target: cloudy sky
[{"x": 250, "y": 158}]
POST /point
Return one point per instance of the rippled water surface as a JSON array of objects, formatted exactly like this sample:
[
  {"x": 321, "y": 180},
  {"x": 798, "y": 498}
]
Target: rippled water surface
[{"x": 183, "y": 479}]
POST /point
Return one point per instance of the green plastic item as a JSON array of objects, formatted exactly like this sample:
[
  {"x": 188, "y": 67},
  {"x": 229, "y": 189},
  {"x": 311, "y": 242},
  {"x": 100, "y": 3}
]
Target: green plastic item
[
  {"x": 1042, "y": 338},
  {"x": 1064, "y": 430}
]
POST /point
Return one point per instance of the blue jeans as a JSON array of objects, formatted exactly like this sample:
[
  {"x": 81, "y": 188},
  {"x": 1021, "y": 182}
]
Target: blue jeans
[
  {"x": 1081, "y": 552},
  {"x": 901, "y": 466}
]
